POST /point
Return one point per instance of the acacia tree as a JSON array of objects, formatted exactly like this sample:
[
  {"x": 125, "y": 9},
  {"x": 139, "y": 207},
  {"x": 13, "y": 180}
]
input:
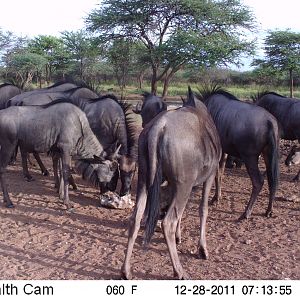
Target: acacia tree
[
  {"x": 282, "y": 52},
  {"x": 82, "y": 49},
  {"x": 176, "y": 32},
  {"x": 24, "y": 65},
  {"x": 52, "y": 49}
]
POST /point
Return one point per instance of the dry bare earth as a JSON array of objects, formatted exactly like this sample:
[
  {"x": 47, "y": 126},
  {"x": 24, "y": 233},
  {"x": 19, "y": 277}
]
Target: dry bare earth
[{"x": 41, "y": 240}]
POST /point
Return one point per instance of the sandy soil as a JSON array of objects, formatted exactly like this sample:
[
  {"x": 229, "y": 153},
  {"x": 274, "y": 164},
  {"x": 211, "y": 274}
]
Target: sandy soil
[{"x": 41, "y": 240}]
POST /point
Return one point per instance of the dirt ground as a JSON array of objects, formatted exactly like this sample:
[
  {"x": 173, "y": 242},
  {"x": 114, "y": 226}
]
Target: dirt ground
[{"x": 41, "y": 240}]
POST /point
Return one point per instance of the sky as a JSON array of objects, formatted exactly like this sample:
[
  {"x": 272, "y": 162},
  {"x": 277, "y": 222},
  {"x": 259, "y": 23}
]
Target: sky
[
  {"x": 38, "y": 17},
  {"x": 34, "y": 17}
]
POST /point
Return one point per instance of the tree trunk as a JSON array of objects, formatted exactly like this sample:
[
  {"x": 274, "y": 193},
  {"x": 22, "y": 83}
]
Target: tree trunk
[
  {"x": 291, "y": 84},
  {"x": 141, "y": 79},
  {"x": 166, "y": 87},
  {"x": 154, "y": 81}
]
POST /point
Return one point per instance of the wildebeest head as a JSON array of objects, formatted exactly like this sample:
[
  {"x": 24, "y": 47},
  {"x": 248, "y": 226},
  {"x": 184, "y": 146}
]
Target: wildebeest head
[
  {"x": 99, "y": 170},
  {"x": 293, "y": 157},
  {"x": 151, "y": 106}
]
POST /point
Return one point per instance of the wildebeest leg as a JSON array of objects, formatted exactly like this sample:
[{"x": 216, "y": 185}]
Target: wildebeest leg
[
  {"x": 272, "y": 174},
  {"x": 66, "y": 165},
  {"x": 24, "y": 156},
  {"x": 134, "y": 224},
  {"x": 178, "y": 232},
  {"x": 218, "y": 179},
  {"x": 296, "y": 178},
  {"x": 6, "y": 197},
  {"x": 72, "y": 182},
  {"x": 14, "y": 156},
  {"x": 257, "y": 180},
  {"x": 40, "y": 163},
  {"x": 203, "y": 211},
  {"x": 180, "y": 197},
  {"x": 5, "y": 156},
  {"x": 55, "y": 159},
  {"x": 57, "y": 185}
]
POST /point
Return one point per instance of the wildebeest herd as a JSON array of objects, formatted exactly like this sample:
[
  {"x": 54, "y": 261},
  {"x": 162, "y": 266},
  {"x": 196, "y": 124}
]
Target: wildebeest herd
[{"x": 181, "y": 148}]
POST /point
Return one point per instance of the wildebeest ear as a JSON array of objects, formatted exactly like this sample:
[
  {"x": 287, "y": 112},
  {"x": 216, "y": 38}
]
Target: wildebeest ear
[
  {"x": 146, "y": 95},
  {"x": 100, "y": 158},
  {"x": 138, "y": 108}
]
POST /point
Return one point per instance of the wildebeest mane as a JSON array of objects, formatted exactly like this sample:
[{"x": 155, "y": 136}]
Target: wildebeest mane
[
  {"x": 61, "y": 82},
  {"x": 5, "y": 84},
  {"x": 206, "y": 92},
  {"x": 264, "y": 93},
  {"x": 54, "y": 102}
]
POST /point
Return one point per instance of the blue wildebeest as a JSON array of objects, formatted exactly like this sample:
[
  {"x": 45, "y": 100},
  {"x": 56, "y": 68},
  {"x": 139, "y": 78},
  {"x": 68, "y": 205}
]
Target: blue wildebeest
[
  {"x": 27, "y": 98},
  {"x": 286, "y": 111},
  {"x": 111, "y": 122},
  {"x": 246, "y": 131},
  {"x": 150, "y": 107},
  {"x": 7, "y": 91},
  {"x": 57, "y": 87},
  {"x": 183, "y": 147},
  {"x": 58, "y": 127}
]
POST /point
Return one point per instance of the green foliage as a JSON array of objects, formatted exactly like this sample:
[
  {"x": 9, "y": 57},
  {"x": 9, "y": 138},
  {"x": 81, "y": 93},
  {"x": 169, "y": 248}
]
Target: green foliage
[
  {"x": 282, "y": 53},
  {"x": 176, "y": 32},
  {"x": 282, "y": 49},
  {"x": 25, "y": 65},
  {"x": 83, "y": 51}
]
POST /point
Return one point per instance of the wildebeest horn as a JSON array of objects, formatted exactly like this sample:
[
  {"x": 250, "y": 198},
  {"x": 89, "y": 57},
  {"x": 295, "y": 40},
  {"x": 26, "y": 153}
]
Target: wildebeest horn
[
  {"x": 116, "y": 155},
  {"x": 190, "y": 99}
]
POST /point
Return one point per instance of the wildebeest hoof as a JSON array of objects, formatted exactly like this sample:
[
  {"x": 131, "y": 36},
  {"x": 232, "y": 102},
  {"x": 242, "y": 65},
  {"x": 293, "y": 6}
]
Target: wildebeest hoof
[
  {"x": 126, "y": 274},
  {"x": 182, "y": 276},
  {"x": 203, "y": 253},
  {"x": 243, "y": 217},
  {"x": 9, "y": 205},
  {"x": 214, "y": 201},
  {"x": 45, "y": 173},
  {"x": 269, "y": 214},
  {"x": 74, "y": 186},
  {"x": 178, "y": 240},
  {"x": 29, "y": 178}
]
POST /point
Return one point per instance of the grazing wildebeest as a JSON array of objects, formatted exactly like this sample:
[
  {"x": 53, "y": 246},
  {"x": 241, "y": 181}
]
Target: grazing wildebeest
[
  {"x": 111, "y": 122},
  {"x": 7, "y": 91},
  {"x": 58, "y": 127},
  {"x": 246, "y": 131},
  {"x": 150, "y": 107},
  {"x": 183, "y": 147},
  {"x": 286, "y": 111},
  {"x": 31, "y": 98}
]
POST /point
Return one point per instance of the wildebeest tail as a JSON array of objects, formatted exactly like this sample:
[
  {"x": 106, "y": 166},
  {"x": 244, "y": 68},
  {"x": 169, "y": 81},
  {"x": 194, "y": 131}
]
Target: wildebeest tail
[
  {"x": 152, "y": 210},
  {"x": 272, "y": 156}
]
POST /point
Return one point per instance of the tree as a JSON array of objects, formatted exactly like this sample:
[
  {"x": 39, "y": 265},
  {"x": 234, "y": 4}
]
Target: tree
[
  {"x": 176, "y": 32},
  {"x": 24, "y": 65},
  {"x": 81, "y": 48},
  {"x": 53, "y": 50},
  {"x": 282, "y": 52}
]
